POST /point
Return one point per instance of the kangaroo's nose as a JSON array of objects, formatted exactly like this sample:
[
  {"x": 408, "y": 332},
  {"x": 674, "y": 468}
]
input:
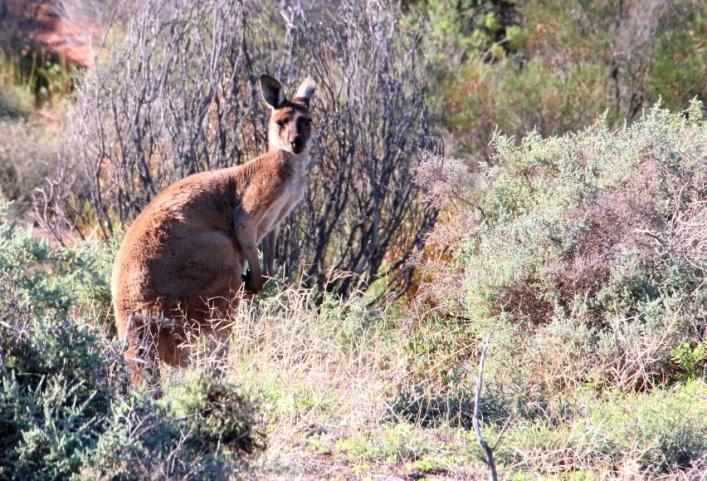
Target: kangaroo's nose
[{"x": 296, "y": 143}]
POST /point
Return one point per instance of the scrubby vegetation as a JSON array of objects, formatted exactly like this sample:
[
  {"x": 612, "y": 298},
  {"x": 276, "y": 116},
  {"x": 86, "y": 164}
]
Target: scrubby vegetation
[
  {"x": 565, "y": 220},
  {"x": 555, "y": 66},
  {"x": 593, "y": 241},
  {"x": 65, "y": 410},
  {"x": 585, "y": 256}
]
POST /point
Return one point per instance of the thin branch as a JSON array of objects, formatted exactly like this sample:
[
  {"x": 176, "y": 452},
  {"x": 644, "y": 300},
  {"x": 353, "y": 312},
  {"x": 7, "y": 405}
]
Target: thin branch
[{"x": 493, "y": 475}]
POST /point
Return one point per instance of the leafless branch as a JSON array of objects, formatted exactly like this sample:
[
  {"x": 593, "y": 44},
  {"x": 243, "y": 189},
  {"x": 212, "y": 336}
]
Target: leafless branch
[
  {"x": 179, "y": 96},
  {"x": 477, "y": 415}
]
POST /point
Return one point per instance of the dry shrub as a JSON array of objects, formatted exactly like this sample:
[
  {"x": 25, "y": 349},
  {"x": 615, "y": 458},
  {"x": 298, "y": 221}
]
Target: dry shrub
[
  {"x": 27, "y": 157},
  {"x": 178, "y": 95},
  {"x": 447, "y": 184}
]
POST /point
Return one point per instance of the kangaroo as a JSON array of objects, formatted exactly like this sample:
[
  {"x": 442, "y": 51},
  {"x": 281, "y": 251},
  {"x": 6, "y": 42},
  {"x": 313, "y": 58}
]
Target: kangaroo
[{"x": 181, "y": 265}]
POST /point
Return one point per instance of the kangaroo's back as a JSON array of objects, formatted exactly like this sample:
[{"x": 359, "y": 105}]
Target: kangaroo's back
[{"x": 167, "y": 238}]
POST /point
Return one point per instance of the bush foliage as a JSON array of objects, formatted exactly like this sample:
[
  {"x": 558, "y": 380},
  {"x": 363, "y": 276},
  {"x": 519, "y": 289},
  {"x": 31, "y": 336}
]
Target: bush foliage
[
  {"x": 585, "y": 256},
  {"x": 588, "y": 250},
  {"x": 595, "y": 242},
  {"x": 555, "y": 66},
  {"x": 65, "y": 412}
]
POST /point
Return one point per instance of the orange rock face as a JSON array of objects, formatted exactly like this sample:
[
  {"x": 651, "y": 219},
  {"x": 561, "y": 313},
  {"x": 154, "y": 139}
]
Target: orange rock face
[{"x": 40, "y": 25}]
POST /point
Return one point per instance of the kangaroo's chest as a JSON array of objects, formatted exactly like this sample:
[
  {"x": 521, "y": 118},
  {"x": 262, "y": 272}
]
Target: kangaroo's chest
[{"x": 291, "y": 195}]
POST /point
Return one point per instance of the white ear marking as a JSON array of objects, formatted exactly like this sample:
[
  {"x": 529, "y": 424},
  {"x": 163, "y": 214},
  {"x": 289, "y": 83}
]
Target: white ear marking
[{"x": 307, "y": 89}]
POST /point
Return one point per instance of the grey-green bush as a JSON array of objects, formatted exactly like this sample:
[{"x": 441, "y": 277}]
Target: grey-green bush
[
  {"x": 585, "y": 255},
  {"x": 590, "y": 253},
  {"x": 65, "y": 412}
]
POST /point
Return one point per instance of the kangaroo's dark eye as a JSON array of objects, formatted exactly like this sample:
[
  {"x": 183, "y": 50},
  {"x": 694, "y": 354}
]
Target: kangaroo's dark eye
[{"x": 281, "y": 123}]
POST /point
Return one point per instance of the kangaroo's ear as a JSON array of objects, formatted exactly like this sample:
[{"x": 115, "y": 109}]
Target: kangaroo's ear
[
  {"x": 271, "y": 90},
  {"x": 306, "y": 90}
]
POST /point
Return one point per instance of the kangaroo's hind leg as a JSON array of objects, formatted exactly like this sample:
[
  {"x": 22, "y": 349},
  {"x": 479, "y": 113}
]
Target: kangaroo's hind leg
[
  {"x": 212, "y": 288},
  {"x": 141, "y": 354}
]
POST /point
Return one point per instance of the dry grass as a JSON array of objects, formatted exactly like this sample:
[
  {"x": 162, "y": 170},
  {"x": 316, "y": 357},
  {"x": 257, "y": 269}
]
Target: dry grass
[
  {"x": 325, "y": 369},
  {"x": 326, "y": 376}
]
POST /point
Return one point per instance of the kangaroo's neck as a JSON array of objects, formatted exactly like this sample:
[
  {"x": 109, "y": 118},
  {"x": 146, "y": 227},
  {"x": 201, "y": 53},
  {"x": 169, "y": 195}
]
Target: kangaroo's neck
[{"x": 298, "y": 162}]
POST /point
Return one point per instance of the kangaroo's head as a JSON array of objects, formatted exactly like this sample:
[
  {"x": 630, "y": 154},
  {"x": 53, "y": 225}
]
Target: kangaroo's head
[{"x": 290, "y": 122}]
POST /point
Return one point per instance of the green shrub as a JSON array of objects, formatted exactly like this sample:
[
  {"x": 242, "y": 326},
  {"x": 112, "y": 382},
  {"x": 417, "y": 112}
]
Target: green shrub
[
  {"x": 585, "y": 255},
  {"x": 205, "y": 431},
  {"x": 693, "y": 360},
  {"x": 52, "y": 397},
  {"x": 658, "y": 431},
  {"x": 38, "y": 78},
  {"x": 568, "y": 62},
  {"x": 589, "y": 252},
  {"x": 218, "y": 413},
  {"x": 48, "y": 281},
  {"x": 16, "y": 98},
  {"x": 517, "y": 99},
  {"x": 65, "y": 412},
  {"x": 456, "y": 30},
  {"x": 679, "y": 63}
]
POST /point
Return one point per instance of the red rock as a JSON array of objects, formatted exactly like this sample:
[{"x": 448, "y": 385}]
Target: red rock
[{"x": 39, "y": 25}]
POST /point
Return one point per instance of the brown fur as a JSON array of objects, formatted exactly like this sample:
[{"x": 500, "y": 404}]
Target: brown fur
[{"x": 181, "y": 264}]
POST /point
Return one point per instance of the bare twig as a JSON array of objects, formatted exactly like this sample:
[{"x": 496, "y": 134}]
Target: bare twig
[{"x": 477, "y": 415}]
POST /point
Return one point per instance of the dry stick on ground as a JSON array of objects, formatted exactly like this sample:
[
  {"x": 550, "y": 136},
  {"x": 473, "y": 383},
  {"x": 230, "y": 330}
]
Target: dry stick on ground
[{"x": 477, "y": 427}]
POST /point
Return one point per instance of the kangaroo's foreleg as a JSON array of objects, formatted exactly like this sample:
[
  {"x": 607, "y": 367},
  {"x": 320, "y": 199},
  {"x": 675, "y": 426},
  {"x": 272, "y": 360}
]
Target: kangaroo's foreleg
[
  {"x": 247, "y": 238},
  {"x": 269, "y": 242}
]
